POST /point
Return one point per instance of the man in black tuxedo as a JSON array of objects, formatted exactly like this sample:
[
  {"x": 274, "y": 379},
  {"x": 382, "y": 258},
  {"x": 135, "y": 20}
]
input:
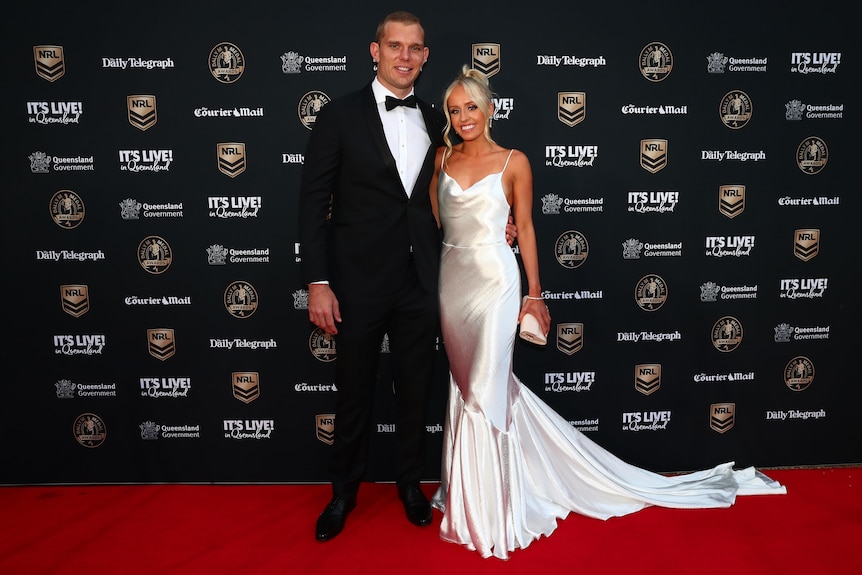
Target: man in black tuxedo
[{"x": 370, "y": 257}]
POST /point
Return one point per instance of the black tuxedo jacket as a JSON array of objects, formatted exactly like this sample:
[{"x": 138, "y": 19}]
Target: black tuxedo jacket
[{"x": 364, "y": 248}]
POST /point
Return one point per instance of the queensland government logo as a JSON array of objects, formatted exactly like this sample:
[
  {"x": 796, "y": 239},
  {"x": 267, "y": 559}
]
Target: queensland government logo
[
  {"x": 310, "y": 105},
  {"x": 799, "y": 373},
  {"x": 142, "y": 111},
  {"x": 651, "y": 292},
  {"x": 722, "y": 416},
  {"x": 240, "y": 299},
  {"x": 727, "y": 334},
  {"x": 75, "y": 299},
  {"x": 812, "y": 155},
  {"x": 571, "y": 249},
  {"x": 653, "y": 154},
  {"x": 486, "y": 58},
  {"x": 226, "y": 62},
  {"x": 67, "y": 209},
  {"x": 656, "y": 62},
  {"x": 50, "y": 63},
  {"x": 89, "y": 430},
  {"x": 735, "y": 109},
  {"x": 155, "y": 254},
  {"x": 571, "y": 107}
]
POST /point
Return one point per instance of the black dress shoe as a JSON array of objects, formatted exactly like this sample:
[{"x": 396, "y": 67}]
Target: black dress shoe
[
  {"x": 331, "y": 521},
  {"x": 416, "y": 505}
]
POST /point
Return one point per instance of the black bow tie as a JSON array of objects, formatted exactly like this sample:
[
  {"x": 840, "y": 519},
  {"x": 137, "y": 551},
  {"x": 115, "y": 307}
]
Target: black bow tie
[{"x": 392, "y": 103}]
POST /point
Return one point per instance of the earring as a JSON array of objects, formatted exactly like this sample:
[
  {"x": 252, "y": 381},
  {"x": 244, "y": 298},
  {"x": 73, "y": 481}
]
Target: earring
[{"x": 375, "y": 65}]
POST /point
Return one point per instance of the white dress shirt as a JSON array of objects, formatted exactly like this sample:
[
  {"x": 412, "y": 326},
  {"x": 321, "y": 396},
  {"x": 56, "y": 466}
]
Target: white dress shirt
[{"x": 406, "y": 135}]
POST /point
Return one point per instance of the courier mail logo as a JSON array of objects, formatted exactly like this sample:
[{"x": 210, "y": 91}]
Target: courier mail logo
[
  {"x": 142, "y": 111},
  {"x": 50, "y": 63}
]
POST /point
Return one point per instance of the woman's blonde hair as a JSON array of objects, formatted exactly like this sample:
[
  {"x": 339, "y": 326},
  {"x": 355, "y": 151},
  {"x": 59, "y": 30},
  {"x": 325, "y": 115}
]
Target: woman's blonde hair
[{"x": 476, "y": 85}]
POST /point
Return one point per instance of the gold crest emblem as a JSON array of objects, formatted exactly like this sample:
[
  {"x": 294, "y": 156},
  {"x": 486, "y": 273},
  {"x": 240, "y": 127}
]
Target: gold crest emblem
[
  {"x": 647, "y": 377},
  {"x": 722, "y": 416},
  {"x": 570, "y": 337},
  {"x": 231, "y": 158},
  {"x": 246, "y": 385},
  {"x": 731, "y": 200},
  {"x": 160, "y": 343},
  {"x": 571, "y": 107},
  {"x": 653, "y": 155},
  {"x": 806, "y": 243},
  {"x": 142, "y": 111},
  {"x": 50, "y": 63},
  {"x": 324, "y": 426},
  {"x": 75, "y": 299},
  {"x": 486, "y": 58}
]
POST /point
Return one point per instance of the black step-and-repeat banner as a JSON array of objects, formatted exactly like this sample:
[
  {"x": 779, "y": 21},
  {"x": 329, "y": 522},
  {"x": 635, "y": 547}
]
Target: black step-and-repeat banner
[{"x": 695, "y": 196}]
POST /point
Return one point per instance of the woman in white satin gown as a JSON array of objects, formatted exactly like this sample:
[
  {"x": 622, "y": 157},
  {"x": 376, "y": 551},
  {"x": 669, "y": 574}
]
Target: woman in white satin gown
[{"x": 511, "y": 465}]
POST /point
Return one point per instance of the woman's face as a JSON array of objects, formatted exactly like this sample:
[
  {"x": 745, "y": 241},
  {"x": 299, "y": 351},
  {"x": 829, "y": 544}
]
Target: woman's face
[{"x": 467, "y": 119}]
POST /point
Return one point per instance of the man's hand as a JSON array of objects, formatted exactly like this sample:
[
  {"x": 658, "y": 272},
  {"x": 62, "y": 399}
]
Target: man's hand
[
  {"x": 323, "y": 310},
  {"x": 511, "y": 231}
]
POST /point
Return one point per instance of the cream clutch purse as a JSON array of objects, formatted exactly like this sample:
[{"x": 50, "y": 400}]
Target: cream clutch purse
[{"x": 530, "y": 330}]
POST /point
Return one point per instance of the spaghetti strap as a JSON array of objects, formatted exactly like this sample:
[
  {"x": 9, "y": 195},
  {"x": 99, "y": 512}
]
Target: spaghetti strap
[{"x": 507, "y": 160}]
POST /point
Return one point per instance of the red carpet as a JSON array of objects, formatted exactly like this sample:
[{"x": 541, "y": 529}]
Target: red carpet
[{"x": 269, "y": 529}]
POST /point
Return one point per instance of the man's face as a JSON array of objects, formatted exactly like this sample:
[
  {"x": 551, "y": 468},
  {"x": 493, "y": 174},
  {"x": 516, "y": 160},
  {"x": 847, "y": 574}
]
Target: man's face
[{"x": 400, "y": 56}]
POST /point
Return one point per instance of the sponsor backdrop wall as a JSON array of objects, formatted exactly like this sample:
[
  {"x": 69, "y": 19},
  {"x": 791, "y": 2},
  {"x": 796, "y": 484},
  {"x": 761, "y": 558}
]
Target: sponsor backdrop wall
[{"x": 693, "y": 199}]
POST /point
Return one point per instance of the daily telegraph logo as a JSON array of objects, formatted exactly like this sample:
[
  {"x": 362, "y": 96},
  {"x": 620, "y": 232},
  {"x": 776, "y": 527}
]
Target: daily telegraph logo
[
  {"x": 653, "y": 155},
  {"x": 50, "y": 63},
  {"x": 571, "y": 107},
  {"x": 656, "y": 62},
  {"x": 75, "y": 299},
  {"x": 722, "y": 416},
  {"x": 812, "y": 155},
  {"x": 570, "y": 337},
  {"x": 161, "y": 343},
  {"x": 245, "y": 385},
  {"x": 647, "y": 377},
  {"x": 142, "y": 111},
  {"x": 731, "y": 200},
  {"x": 226, "y": 62},
  {"x": 806, "y": 243},
  {"x": 486, "y": 58},
  {"x": 231, "y": 158},
  {"x": 67, "y": 209}
]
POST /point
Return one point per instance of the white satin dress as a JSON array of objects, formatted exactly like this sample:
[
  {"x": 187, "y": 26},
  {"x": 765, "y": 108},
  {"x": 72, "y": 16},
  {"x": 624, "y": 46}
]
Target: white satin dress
[{"x": 511, "y": 465}]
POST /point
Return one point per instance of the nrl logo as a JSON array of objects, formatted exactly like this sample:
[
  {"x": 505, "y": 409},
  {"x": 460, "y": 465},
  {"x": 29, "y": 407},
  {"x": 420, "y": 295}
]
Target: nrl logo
[
  {"x": 246, "y": 386},
  {"x": 160, "y": 343},
  {"x": 806, "y": 244},
  {"x": 570, "y": 337},
  {"x": 653, "y": 155},
  {"x": 571, "y": 107},
  {"x": 231, "y": 158},
  {"x": 75, "y": 299},
  {"x": 647, "y": 377},
  {"x": 731, "y": 200},
  {"x": 141, "y": 111},
  {"x": 486, "y": 58},
  {"x": 50, "y": 64},
  {"x": 721, "y": 416},
  {"x": 324, "y": 425}
]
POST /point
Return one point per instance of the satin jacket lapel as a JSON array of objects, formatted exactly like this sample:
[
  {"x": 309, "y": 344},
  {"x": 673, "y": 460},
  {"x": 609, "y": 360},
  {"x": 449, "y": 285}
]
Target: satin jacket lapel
[{"x": 375, "y": 127}]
